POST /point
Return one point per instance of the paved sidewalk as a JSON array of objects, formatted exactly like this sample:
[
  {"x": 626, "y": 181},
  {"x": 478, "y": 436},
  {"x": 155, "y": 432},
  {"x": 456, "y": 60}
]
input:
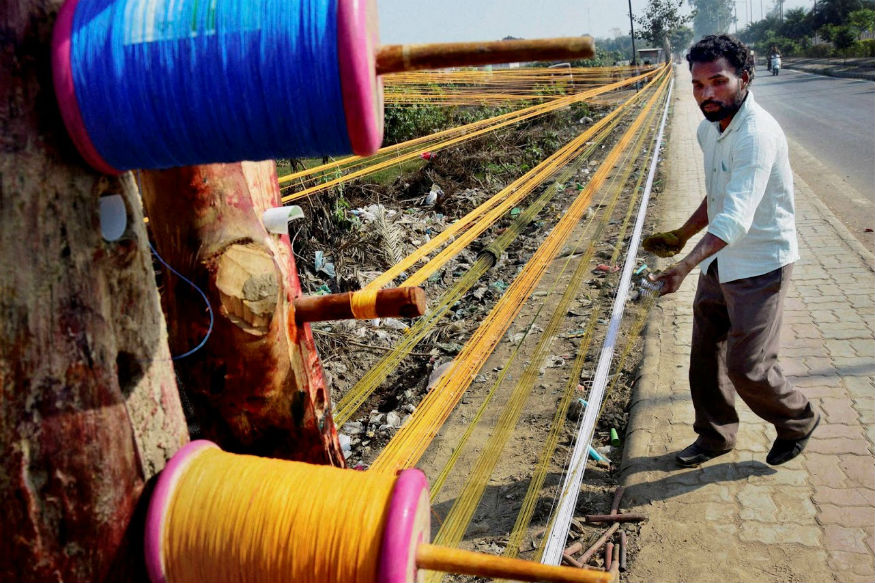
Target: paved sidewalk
[{"x": 736, "y": 518}]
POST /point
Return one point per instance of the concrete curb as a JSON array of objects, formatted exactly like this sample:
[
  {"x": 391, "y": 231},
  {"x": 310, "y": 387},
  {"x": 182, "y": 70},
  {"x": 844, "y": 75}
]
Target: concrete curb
[
  {"x": 637, "y": 436},
  {"x": 834, "y": 72}
]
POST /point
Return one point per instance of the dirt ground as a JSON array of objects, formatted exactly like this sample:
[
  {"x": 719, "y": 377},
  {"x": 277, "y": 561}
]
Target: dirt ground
[{"x": 360, "y": 247}]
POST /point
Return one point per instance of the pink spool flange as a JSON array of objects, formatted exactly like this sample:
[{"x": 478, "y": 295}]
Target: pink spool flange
[
  {"x": 161, "y": 497},
  {"x": 65, "y": 91},
  {"x": 408, "y": 524},
  {"x": 357, "y": 40}
]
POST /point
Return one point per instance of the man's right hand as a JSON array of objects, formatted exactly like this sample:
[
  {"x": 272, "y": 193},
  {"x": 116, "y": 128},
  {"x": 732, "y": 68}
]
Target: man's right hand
[{"x": 665, "y": 244}]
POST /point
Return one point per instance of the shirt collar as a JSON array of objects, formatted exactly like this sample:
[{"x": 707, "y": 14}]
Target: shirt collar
[{"x": 742, "y": 113}]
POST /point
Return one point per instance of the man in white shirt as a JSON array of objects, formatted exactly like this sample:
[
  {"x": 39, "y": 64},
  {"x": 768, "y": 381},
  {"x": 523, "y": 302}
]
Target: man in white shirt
[{"x": 745, "y": 258}]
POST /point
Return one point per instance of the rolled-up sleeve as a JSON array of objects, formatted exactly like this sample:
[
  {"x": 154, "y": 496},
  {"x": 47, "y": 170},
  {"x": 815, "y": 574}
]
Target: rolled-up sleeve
[{"x": 750, "y": 166}]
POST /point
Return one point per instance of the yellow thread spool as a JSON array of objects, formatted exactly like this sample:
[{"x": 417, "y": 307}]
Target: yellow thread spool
[{"x": 216, "y": 516}]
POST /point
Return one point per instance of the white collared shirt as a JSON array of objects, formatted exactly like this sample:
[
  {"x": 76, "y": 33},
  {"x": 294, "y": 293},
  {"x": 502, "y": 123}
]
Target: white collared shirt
[{"x": 749, "y": 185}]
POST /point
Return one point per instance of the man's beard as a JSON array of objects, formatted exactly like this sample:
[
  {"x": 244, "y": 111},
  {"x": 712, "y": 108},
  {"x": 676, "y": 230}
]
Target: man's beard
[{"x": 723, "y": 110}]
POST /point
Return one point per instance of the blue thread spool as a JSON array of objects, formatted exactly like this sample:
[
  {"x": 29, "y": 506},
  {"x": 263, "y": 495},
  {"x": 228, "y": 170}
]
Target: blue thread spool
[{"x": 157, "y": 84}]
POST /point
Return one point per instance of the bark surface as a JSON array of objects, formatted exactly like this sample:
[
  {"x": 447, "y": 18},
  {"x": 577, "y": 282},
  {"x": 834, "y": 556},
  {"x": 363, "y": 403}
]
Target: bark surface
[
  {"x": 257, "y": 385},
  {"x": 89, "y": 409}
]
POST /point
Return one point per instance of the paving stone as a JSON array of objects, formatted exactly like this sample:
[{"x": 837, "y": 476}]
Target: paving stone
[
  {"x": 861, "y": 516},
  {"x": 820, "y": 364},
  {"x": 770, "y": 533},
  {"x": 843, "y": 348},
  {"x": 844, "y": 539},
  {"x": 785, "y": 476},
  {"x": 831, "y": 381},
  {"x": 756, "y": 503},
  {"x": 844, "y": 496},
  {"x": 823, "y": 316},
  {"x": 859, "y": 469},
  {"x": 855, "y": 365},
  {"x": 864, "y": 347},
  {"x": 823, "y": 470},
  {"x": 832, "y": 430},
  {"x": 838, "y": 411},
  {"x": 806, "y": 331},
  {"x": 856, "y": 567},
  {"x": 839, "y": 331},
  {"x": 794, "y": 505},
  {"x": 838, "y": 446}
]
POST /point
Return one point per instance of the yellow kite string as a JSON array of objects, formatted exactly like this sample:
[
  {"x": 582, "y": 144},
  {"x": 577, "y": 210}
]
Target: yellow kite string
[
  {"x": 244, "y": 518},
  {"x": 438, "y": 482},
  {"x": 494, "y": 208},
  {"x": 412, "y": 440},
  {"x": 512, "y": 196},
  {"x": 460, "y": 134},
  {"x": 495, "y": 87},
  {"x": 429, "y": 142},
  {"x": 527, "y": 509},
  {"x": 537, "y": 481},
  {"x": 456, "y": 522},
  {"x": 363, "y": 304},
  {"x": 358, "y": 394}
]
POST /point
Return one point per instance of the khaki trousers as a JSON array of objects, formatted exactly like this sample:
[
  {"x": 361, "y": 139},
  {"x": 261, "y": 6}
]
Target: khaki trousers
[{"x": 736, "y": 335}]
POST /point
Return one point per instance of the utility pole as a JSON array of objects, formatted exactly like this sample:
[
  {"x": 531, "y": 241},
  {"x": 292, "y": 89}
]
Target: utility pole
[{"x": 632, "y": 29}]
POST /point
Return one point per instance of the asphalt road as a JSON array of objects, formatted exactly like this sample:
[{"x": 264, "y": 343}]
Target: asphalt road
[{"x": 830, "y": 126}]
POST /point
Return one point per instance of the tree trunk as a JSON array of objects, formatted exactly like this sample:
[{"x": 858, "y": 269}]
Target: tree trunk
[
  {"x": 89, "y": 409},
  {"x": 257, "y": 384}
]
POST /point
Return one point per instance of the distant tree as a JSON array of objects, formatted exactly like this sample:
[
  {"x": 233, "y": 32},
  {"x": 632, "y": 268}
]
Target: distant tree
[
  {"x": 838, "y": 11},
  {"x": 862, "y": 20},
  {"x": 796, "y": 25},
  {"x": 844, "y": 37},
  {"x": 659, "y": 21},
  {"x": 712, "y": 16},
  {"x": 681, "y": 39}
]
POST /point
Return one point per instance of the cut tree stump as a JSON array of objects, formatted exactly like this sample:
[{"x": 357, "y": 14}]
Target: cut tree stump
[
  {"x": 89, "y": 409},
  {"x": 257, "y": 384}
]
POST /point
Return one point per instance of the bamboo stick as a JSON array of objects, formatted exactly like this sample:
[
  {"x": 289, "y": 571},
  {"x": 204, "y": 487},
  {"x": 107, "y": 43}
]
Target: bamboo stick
[
  {"x": 403, "y": 302},
  {"x": 438, "y": 558},
  {"x": 398, "y": 58},
  {"x": 615, "y": 517},
  {"x": 598, "y": 544}
]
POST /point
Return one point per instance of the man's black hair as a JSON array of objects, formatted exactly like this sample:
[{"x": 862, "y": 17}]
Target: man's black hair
[{"x": 714, "y": 46}]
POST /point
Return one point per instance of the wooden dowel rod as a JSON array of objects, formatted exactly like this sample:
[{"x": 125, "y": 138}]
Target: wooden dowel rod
[
  {"x": 437, "y": 558},
  {"x": 623, "y": 543},
  {"x": 615, "y": 563},
  {"x": 398, "y": 58},
  {"x": 598, "y": 544},
  {"x": 618, "y": 495},
  {"x": 615, "y": 517},
  {"x": 403, "y": 302},
  {"x": 571, "y": 560},
  {"x": 573, "y": 548}
]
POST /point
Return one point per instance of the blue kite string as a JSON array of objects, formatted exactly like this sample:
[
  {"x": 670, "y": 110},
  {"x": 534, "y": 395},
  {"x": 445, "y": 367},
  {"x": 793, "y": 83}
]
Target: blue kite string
[
  {"x": 189, "y": 282},
  {"x": 203, "y": 295},
  {"x": 164, "y": 83}
]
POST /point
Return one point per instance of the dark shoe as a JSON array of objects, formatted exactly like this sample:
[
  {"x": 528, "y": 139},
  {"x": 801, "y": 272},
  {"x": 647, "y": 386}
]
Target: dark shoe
[
  {"x": 784, "y": 450},
  {"x": 696, "y": 455}
]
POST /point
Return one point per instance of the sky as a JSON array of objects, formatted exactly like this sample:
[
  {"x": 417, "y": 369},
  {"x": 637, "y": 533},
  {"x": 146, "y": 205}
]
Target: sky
[{"x": 424, "y": 21}]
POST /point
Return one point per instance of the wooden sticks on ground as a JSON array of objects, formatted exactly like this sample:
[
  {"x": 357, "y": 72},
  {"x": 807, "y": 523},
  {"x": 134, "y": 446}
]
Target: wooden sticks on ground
[{"x": 615, "y": 557}]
